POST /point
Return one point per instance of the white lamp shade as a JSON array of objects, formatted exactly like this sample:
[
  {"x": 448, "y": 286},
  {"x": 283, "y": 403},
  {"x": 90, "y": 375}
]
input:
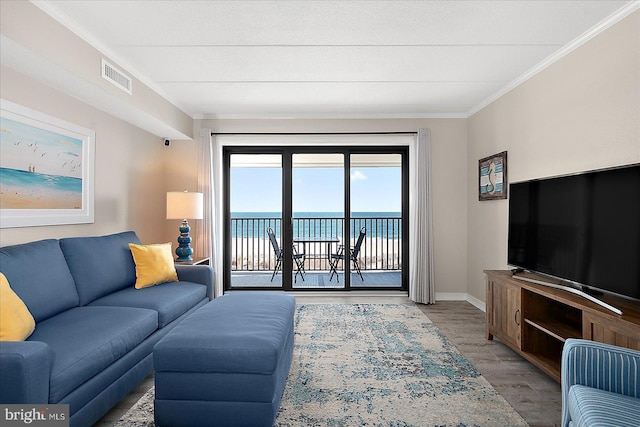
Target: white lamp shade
[{"x": 184, "y": 205}]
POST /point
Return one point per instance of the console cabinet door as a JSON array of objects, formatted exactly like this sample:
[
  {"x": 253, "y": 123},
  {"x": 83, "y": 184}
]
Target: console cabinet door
[
  {"x": 505, "y": 315},
  {"x": 601, "y": 329}
]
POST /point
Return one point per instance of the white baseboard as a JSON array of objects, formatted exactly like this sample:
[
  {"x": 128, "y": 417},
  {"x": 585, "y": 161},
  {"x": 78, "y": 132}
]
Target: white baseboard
[
  {"x": 451, "y": 296},
  {"x": 476, "y": 302},
  {"x": 461, "y": 296}
]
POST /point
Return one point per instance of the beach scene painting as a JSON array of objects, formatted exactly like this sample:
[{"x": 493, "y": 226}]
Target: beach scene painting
[{"x": 44, "y": 175}]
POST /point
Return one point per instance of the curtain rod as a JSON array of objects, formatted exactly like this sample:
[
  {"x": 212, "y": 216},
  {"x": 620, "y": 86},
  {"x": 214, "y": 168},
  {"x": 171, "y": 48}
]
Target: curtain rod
[{"x": 312, "y": 133}]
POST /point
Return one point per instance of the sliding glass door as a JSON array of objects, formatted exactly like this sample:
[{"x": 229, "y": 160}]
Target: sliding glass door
[
  {"x": 376, "y": 218},
  {"x": 316, "y": 218},
  {"x": 255, "y": 220}
]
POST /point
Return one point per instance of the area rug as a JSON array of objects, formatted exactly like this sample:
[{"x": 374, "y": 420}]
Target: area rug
[{"x": 375, "y": 365}]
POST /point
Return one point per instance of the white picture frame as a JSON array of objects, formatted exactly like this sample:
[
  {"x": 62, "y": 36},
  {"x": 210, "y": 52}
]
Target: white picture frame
[{"x": 46, "y": 169}]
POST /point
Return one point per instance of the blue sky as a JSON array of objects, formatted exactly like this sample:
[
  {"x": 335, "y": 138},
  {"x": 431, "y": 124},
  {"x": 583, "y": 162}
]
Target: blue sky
[
  {"x": 22, "y": 145},
  {"x": 373, "y": 189}
]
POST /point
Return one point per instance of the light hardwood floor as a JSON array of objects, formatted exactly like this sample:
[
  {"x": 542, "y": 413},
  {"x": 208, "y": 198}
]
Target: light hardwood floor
[{"x": 534, "y": 395}]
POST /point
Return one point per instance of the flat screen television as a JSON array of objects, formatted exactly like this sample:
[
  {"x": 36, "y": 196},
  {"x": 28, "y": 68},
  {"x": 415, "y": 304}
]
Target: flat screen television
[{"x": 583, "y": 229}]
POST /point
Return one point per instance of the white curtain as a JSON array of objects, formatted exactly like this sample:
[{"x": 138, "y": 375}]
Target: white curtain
[
  {"x": 421, "y": 277},
  {"x": 210, "y": 185}
]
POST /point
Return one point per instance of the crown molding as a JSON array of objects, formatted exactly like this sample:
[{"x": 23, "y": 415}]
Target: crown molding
[
  {"x": 47, "y": 7},
  {"x": 29, "y": 63},
  {"x": 329, "y": 116},
  {"x": 73, "y": 26},
  {"x": 561, "y": 53}
]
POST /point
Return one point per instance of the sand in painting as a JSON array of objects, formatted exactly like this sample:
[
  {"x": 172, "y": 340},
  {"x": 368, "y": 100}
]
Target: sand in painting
[{"x": 29, "y": 190}]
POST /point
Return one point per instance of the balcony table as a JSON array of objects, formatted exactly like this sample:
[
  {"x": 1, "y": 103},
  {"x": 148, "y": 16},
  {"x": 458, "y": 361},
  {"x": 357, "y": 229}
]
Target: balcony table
[{"x": 328, "y": 240}]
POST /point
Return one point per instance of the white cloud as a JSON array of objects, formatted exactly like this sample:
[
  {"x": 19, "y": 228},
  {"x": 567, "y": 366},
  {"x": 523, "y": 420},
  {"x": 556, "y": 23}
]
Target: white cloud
[{"x": 358, "y": 176}]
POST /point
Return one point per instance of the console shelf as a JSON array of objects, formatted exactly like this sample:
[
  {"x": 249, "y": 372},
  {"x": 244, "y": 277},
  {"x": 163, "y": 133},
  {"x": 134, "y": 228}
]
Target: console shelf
[
  {"x": 557, "y": 330},
  {"x": 535, "y": 320}
]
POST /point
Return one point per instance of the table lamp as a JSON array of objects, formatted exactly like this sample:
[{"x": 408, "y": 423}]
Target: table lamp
[{"x": 184, "y": 205}]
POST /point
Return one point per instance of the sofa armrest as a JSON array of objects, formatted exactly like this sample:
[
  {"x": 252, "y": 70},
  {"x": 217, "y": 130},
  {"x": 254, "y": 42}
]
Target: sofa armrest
[
  {"x": 197, "y": 274},
  {"x": 25, "y": 367},
  {"x": 597, "y": 365}
]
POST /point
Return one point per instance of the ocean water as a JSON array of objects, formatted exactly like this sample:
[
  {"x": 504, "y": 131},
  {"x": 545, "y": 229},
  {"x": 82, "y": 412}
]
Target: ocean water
[
  {"x": 39, "y": 181},
  {"x": 317, "y": 224},
  {"x": 35, "y": 187}
]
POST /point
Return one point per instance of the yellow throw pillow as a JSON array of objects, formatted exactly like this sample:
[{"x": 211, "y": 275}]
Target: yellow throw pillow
[
  {"x": 154, "y": 264},
  {"x": 16, "y": 321}
]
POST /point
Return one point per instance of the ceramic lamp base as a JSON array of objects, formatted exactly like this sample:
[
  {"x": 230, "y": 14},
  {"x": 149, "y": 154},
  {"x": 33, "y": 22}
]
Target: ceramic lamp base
[{"x": 184, "y": 249}]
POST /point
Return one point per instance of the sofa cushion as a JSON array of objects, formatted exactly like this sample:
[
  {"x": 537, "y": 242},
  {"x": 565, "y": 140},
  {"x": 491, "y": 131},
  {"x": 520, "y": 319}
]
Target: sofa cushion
[
  {"x": 100, "y": 265},
  {"x": 590, "y": 407},
  {"x": 16, "y": 323},
  {"x": 39, "y": 275},
  {"x": 86, "y": 340},
  {"x": 170, "y": 300},
  {"x": 154, "y": 264}
]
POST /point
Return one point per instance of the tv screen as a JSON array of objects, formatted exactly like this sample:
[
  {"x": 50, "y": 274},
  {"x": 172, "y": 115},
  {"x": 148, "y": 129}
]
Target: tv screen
[{"x": 581, "y": 228}]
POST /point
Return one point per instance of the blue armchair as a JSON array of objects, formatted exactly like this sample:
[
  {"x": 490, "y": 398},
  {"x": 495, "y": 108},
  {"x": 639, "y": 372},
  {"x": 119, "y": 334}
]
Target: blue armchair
[{"x": 600, "y": 385}]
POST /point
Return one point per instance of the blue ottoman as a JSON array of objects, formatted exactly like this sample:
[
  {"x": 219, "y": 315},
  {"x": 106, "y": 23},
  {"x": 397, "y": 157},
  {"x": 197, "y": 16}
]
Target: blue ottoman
[{"x": 227, "y": 363}]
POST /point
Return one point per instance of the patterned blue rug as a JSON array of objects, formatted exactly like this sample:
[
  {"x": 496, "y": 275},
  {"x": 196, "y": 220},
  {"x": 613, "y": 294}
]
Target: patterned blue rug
[{"x": 375, "y": 365}]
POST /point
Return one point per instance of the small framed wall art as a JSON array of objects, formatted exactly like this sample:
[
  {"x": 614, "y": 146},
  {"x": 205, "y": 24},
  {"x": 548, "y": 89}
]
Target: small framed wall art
[
  {"x": 46, "y": 169},
  {"x": 492, "y": 177}
]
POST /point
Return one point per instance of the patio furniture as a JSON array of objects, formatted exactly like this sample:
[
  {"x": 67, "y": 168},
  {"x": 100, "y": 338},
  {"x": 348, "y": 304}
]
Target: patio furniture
[
  {"x": 342, "y": 256},
  {"x": 313, "y": 240},
  {"x": 298, "y": 258}
]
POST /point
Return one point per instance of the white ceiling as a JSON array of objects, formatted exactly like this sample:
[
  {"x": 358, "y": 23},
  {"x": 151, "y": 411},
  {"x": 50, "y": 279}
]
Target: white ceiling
[{"x": 332, "y": 58}]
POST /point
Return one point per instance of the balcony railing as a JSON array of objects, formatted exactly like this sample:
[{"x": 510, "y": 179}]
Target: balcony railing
[{"x": 252, "y": 251}]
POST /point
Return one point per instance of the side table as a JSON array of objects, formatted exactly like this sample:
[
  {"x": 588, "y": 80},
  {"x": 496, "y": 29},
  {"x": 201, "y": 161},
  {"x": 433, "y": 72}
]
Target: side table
[{"x": 195, "y": 261}]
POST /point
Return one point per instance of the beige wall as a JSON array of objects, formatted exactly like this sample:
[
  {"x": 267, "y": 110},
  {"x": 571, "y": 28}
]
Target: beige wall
[
  {"x": 180, "y": 173},
  {"x": 449, "y": 150},
  {"x": 129, "y": 164},
  {"x": 581, "y": 113},
  {"x": 67, "y": 61}
]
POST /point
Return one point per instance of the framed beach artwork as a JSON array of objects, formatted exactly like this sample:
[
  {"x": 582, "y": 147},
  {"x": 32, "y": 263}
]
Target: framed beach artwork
[
  {"x": 492, "y": 177},
  {"x": 46, "y": 169}
]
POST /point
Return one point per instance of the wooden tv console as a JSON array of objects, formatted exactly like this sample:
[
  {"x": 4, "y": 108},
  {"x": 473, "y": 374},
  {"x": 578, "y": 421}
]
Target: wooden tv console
[{"x": 535, "y": 320}]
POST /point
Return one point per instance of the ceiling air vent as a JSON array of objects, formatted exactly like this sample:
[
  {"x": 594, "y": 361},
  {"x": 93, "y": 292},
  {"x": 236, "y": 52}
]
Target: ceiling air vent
[{"x": 115, "y": 76}]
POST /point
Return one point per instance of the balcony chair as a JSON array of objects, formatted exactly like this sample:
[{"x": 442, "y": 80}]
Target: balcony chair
[
  {"x": 600, "y": 385},
  {"x": 353, "y": 256},
  {"x": 298, "y": 258}
]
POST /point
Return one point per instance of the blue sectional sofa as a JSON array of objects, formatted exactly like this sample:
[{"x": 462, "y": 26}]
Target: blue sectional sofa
[
  {"x": 94, "y": 331},
  {"x": 600, "y": 385}
]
